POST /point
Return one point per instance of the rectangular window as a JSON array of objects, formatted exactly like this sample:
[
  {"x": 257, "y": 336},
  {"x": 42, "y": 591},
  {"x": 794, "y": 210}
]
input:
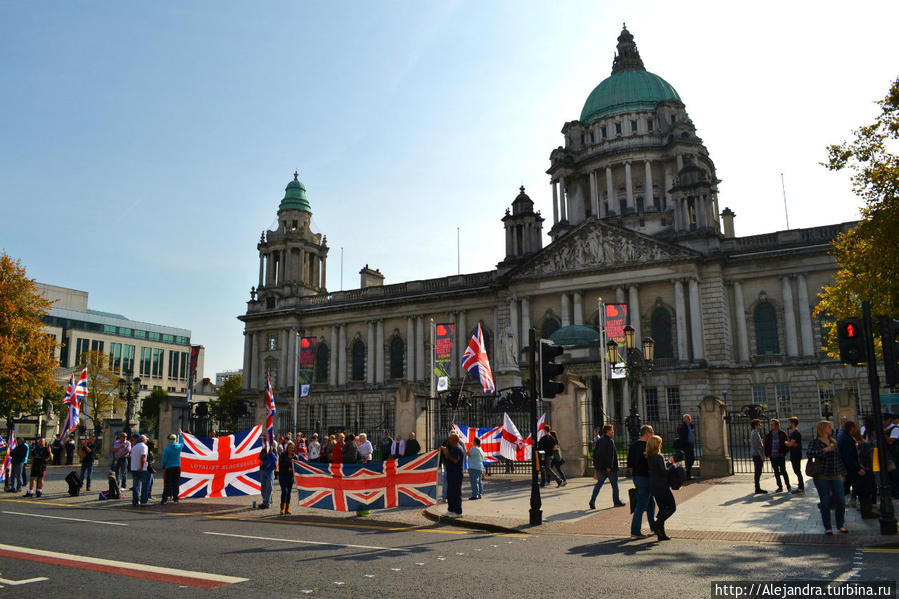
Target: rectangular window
[
  {"x": 272, "y": 341},
  {"x": 592, "y": 137},
  {"x": 674, "y": 411},
  {"x": 124, "y": 332},
  {"x": 108, "y": 329},
  {"x": 128, "y": 358},
  {"x": 784, "y": 403},
  {"x": 158, "y": 359},
  {"x": 633, "y": 126},
  {"x": 145, "y": 353},
  {"x": 140, "y": 334},
  {"x": 82, "y": 346},
  {"x": 673, "y": 119},
  {"x": 115, "y": 357},
  {"x": 825, "y": 399},
  {"x": 649, "y": 124},
  {"x": 153, "y": 336},
  {"x": 182, "y": 374},
  {"x": 97, "y": 346},
  {"x": 622, "y": 206},
  {"x": 173, "y": 364},
  {"x": 617, "y": 128},
  {"x": 652, "y": 404},
  {"x": 759, "y": 395},
  {"x": 168, "y": 338},
  {"x": 180, "y": 340},
  {"x": 602, "y": 130}
]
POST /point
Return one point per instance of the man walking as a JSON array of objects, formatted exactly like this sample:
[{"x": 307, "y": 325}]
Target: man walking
[
  {"x": 454, "y": 457},
  {"x": 121, "y": 450},
  {"x": 140, "y": 476},
  {"x": 605, "y": 462},
  {"x": 171, "y": 468},
  {"x": 639, "y": 468},
  {"x": 794, "y": 443},
  {"x": 546, "y": 445},
  {"x": 687, "y": 435},
  {"x": 757, "y": 449},
  {"x": 776, "y": 450}
]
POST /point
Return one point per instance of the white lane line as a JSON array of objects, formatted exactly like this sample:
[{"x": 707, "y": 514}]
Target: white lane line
[
  {"x": 303, "y": 542},
  {"x": 16, "y": 583},
  {"x": 64, "y": 518}
]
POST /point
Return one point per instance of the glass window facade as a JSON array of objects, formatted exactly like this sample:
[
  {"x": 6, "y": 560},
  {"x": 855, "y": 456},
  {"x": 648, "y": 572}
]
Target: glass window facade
[
  {"x": 760, "y": 395},
  {"x": 358, "y": 361},
  {"x": 158, "y": 359},
  {"x": 766, "y": 339},
  {"x": 397, "y": 357},
  {"x": 145, "y": 353},
  {"x": 115, "y": 357},
  {"x": 153, "y": 336},
  {"x": 128, "y": 358},
  {"x": 784, "y": 401},
  {"x": 82, "y": 346}
]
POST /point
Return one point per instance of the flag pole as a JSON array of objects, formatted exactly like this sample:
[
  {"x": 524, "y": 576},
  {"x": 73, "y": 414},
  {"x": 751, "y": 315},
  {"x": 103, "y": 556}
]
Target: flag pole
[
  {"x": 433, "y": 359},
  {"x": 296, "y": 379},
  {"x": 603, "y": 340}
]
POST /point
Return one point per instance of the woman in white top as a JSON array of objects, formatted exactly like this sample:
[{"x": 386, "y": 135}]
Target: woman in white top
[{"x": 365, "y": 448}]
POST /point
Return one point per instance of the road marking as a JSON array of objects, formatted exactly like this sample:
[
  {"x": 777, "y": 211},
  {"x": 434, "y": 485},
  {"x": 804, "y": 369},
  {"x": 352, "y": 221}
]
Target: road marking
[
  {"x": 64, "y": 518},
  {"x": 157, "y": 573},
  {"x": 302, "y": 542},
  {"x": 275, "y": 520},
  {"x": 17, "y": 583},
  {"x": 880, "y": 550},
  {"x": 34, "y": 501}
]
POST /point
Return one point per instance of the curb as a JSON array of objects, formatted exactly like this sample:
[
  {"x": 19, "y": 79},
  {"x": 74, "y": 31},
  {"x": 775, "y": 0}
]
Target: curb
[{"x": 462, "y": 523}]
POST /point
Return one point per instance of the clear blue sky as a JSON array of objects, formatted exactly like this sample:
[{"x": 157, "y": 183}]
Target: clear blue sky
[{"x": 145, "y": 146}]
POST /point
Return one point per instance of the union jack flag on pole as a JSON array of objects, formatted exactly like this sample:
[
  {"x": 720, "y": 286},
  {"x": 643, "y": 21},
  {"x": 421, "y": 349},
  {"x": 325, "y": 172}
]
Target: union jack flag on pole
[
  {"x": 490, "y": 440},
  {"x": 406, "y": 482},
  {"x": 475, "y": 361},
  {"x": 7, "y": 461},
  {"x": 73, "y": 397},
  {"x": 221, "y": 466},
  {"x": 2, "y": 442},
  {"x": 269, "y": 411}
]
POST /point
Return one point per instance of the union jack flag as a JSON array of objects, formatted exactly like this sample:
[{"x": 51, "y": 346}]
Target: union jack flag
[
  {"x": 403, "y": 482},
  {"x": 221, "y": 466},
  {"x": 475, "y": 361},
  {"x": 7, "y": 461},
  {"x": 269, "y": 411},
  {"x": 513, "y": 446},
  {"x": 2, "y": 442},
  {"x": 490, "y": 440},
  {"x": 72, "y": 399}
]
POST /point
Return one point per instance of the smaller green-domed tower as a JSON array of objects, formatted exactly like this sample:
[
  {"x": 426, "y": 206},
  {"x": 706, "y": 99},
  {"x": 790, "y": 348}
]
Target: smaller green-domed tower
[{"x": 295, "y": 196}]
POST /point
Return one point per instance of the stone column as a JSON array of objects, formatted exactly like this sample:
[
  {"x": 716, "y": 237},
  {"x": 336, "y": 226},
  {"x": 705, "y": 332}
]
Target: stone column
[
  {"x": 566, "y": 318},
  {"x": 247, "y": 349},
  {"x": 680, "y": 318},
  {"x": 254, "y": 361},
  {"x": 261, "y": 272},
  {"x": 805, "y": 317},
  {"x": 410, "y": 348},
  {"x": 513, "y": 323},
  {"x": 594, "y": 201},
  {"x": 715, "y": 453},
  {"x": 619, "y": 295},
  {"x": 379, "y": 352},
  {"x": 634, "y": 312},
  {"x": 324, "y": 259},
  {"x": 628, "y": 187},
  {"x": 740, "y": 318},
  {"x": 301, "y": 274},
  {"x": 555, "y": 201},
  {"x": 610, "y": 193},
  {"x": 290, "y": 367},
  {"x": 420, "y": 348},
  {"x": 341, "y": 355},
  {"x": 647, "y": 184},
  {"x": 370, "y": 354},
  {"x": 525, "y": 321},
  {"x": 334, "y": 355},
  {"x": 696, "y": 320},
  {"x": 578, "y": 307},
  {"x": 789, "y": 317},
  {"x": 563, "y": 199},
  {"x": 668, "y": 185}
]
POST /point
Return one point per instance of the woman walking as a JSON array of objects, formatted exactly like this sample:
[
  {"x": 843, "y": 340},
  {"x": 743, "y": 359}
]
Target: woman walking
[
  {"x": 285, "y": 476},
  {"x": 829, "y": 477},
  {"x": 658, "y": 485}
]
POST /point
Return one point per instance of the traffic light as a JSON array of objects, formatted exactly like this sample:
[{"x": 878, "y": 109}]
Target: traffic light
[
  {"x": 851, "y": 337},
  {"x": 202, "y": 410},
  {"x": 889, "y": 336},
  {"x": 549, "y": 370}
]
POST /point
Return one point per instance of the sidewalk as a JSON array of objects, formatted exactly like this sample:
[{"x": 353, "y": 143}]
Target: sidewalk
[{"x": 711, "y": 509}]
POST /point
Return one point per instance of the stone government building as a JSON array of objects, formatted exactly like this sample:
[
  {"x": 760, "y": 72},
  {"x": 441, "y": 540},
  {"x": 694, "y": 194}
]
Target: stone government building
[{"x": 636, "y": 219}]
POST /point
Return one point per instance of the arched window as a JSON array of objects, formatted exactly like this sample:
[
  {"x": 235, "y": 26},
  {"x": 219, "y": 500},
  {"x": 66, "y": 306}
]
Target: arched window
[
  {"x": 661, "y": 333},
  {"x": 550, "y": 326},
  {"x": 322, "y": 355},
  {"x": 397, "y": 355},
  {"x": 358, "y": 373},
  {"x": 766, "y": 329}
]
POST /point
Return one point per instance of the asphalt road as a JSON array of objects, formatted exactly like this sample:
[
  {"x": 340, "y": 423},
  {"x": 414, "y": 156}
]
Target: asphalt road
[{"x": 292, "y": 558}]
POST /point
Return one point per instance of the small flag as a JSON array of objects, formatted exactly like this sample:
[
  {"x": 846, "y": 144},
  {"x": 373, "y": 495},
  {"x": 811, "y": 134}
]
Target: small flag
[{"x": 475, "y": 361}]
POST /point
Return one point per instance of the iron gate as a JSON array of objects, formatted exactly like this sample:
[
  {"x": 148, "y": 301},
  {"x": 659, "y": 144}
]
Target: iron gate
[{"x": 738, "y": 431}]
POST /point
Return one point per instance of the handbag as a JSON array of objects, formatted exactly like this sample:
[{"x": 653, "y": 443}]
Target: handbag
[
  {"x": 632, "y": 498},
  {"x": 813, "y": 468}
]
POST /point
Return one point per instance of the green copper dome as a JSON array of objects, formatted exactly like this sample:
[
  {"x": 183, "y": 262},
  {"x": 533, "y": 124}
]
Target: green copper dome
[
  {"x": 624, "y": 91},
  {"x": 576, "y": 335},
  {"x": 630, "y": 87},
  {"x": 295, "y": 196}
]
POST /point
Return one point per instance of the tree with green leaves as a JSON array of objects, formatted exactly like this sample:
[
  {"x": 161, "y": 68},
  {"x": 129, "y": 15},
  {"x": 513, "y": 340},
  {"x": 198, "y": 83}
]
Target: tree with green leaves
[
  {"x": 224, "y": 407},
  {"x": 27, "y": 352},
  {"x": 868, "y": 256},
  {"x": 148, "y": 416}
]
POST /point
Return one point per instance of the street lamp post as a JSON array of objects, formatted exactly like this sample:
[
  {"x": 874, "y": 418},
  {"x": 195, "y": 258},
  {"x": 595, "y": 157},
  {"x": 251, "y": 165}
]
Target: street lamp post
[
  {"x": 638, "y": 360},
  {"x": 128, "y": 390}
]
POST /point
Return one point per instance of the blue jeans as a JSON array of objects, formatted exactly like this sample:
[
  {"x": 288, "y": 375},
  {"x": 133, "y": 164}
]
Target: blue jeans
[
  {"x": 87, "y": 470},
  {"x": 286, "y": 482},
  {"x": 645, "y": 503},
  {"x": 831, "y": 492},
  {"x": 120, "y": 468},
  {"x": 140, "y": 486},
  {"x": 477, "y": 486},
  {"x": 17, "y": 479},
  {"x": 267, "y": 480},
  {"x": 601, "y": 478}
]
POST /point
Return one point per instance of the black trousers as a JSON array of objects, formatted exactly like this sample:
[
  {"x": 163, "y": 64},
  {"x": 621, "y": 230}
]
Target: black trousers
[
  {"x": 454, "y": 491},
  {"x": 689, "y": 457},
  {"x": 286, "y": 482},
  {"x": 171, "y": 481},
  {"x": 666, "y": 506},
  {"x": 780, "y": 469},
  {"x": 797, "y": 470},
  {"x": 759, "y": 464}
]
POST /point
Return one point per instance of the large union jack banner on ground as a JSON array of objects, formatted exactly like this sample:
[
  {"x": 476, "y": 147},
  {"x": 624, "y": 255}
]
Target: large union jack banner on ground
[
  {"x": 406, "y": 482},
  {"x": 490, "y": 440},
  {"x": 221, "y": 466}
]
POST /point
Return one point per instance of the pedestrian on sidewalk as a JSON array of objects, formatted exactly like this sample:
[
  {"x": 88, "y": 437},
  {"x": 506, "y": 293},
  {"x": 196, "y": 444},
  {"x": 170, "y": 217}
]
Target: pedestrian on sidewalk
[
  {"x": 86, "y": 454},
  {"x": 171, "y": 468},
  {"x": 337, "y": 449},
  {"x": 687, "y": 435},
  {"x": 19, "y": 457},
  {"x": 639, "y": 469},
  {"x": 365, "y": 448},
  {"x": 454, "y": 457},
  {"x": 795, "y": 445},
  {"x": 864, "y": 486},
  {"x": 140, "y": 475},
  {"x": 605, "y": 464},
  {"x": 557, "y": 461},
  {"x": 121, "y": 451},
  {"x": 658, "y": 484},
  {"x": 40, "y": 457},
  {"x": 892, "y": 440},
  {"x": 546, "y": 445},
  {"x": 349, "y": 451},
  {"x": 70, "y": 450},
  {"x": 776, "y": 450},
  {"x": 57, "y": 448},
  {"x": 476, "y": 468},
  {"x": 757, "y": 449},
  {"x": 847, "y": 447},
  {"x": 285, "y": 475},
  {"x": 829, "y": 481},
  {"x": 315, "y": 448},
  {"x": 152, "y": 467},
  {"x": 268, "y": 462},
  {"x": 413, "y": 447}
]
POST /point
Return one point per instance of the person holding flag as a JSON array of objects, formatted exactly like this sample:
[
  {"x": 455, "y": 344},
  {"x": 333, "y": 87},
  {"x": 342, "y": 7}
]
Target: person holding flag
[
  {"x": 171, "y": 468},
  {"x": 269, "y": 410},
  {"x": 475, "y": 361}
]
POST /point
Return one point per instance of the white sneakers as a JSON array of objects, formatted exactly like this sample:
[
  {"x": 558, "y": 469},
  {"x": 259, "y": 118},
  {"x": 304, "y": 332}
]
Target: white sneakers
[{"x": 452, "y": 515}]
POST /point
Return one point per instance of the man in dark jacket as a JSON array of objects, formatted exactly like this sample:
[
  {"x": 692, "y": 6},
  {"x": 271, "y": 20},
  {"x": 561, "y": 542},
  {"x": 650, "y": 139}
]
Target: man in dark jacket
[
  {"x": 776, "y": 450},
  {"x": 687, "y": 435},
  {"x": 639, "y": 467},
  {"x": 795, "y": 445},
  {"x": 546, "y": 445},
  {"x": 605, "y": 462},
  {"x": 412, "y": 446}
]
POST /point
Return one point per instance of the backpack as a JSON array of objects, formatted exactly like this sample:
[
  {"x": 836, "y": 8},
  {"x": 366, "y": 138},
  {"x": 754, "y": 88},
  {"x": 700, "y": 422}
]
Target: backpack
[{"x": 676, "y": 477}]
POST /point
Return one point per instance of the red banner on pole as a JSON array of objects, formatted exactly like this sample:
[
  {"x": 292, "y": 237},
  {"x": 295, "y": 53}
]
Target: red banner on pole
[{"x": 616, "y": 320}]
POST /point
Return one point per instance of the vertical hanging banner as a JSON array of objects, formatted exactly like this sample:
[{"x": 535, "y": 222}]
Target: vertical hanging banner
[
  {"x": 443, "y": 354},
  {"x": 616, "y": 320},
  {"x": 194, "y": 357},
  {"x": 306, "y": 364}
]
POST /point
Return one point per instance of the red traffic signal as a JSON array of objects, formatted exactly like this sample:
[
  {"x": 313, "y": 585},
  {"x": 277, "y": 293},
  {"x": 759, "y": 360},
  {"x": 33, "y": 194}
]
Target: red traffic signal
[{"x": 851, "y": 339}]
